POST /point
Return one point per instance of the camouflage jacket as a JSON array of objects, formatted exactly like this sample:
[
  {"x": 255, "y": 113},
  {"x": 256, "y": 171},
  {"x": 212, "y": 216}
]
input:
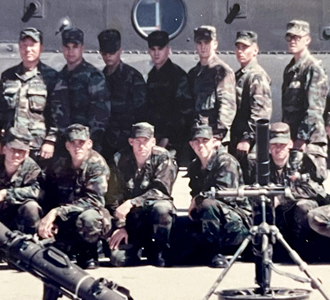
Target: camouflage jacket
[
  {"x": 23, "y": 185},
  {"x": 253, "y": 96},
  {"x": 25, "y": 102},
  {"x": 75, "y": 190},
  {"x": 154, "y": 181},
  {"x": 84, "y": 99},
  {"x": 303, "y": 174},
  {"x": 304, "y": 92},
  {"x": 169, "y": 101},
  {"x": 213, "y": 89},
  {"x": 128, "y": 91},
  {"x": 223, "y": 171}
]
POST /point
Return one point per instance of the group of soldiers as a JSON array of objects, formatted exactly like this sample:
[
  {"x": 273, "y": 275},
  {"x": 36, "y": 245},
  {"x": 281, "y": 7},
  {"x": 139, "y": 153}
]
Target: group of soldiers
[{"x": 74, "y": 172}]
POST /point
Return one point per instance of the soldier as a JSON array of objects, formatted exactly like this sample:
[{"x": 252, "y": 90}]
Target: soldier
[
  {"x": 25, "y": 101},
  {"x": 212, "y": 84},
  {"x": 75, "y": 191},
  {"x": 253, "y": 97},
  {"x": 299, "y": 172},
  {"x": 168, "y": 96},
  {"x": 142, "y": 200},
  {"x": 19, "y": 183},
  {"x": 224, "y": 221},
  {"x": 304, "y": 92},
  {"x": 127, "y": 89},
  {"x": 81, "y": 89}
]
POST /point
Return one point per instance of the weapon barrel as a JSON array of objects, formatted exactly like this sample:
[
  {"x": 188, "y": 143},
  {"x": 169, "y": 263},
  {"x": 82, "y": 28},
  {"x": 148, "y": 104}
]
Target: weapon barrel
[
  {"x": 262, "y": 139},
  {"x": 54, "y": 267}
]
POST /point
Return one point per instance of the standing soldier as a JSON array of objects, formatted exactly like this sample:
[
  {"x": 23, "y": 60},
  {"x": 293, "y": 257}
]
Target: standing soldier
[
  {"x": 253, "y": 96},
  {"x": 19, "y": 183},
  {"x": 168, "y": 96},
  {"x": 212, "y": 84},
  {"x": 304, "y": 91},
  {"x": 127, "y": 89},
  {"x": 25, "y": 101},
  {"x": 81, "y": 89}
]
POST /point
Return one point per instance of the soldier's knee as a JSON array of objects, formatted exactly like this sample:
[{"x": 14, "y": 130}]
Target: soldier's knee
[
  {"x": 30, "y": 210},
  {"x": 89, "y": 225},
  {"x": 162, "y": 212},
  {"x": 304, "y": 206}
]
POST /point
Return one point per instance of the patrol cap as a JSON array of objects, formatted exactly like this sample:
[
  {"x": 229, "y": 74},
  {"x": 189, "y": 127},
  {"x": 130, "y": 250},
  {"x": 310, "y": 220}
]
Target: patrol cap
[
  {"x": 158, "y": 38},
  {"x": 33, "y": 33},
  {"x": 298, "y": 27},
  {"x": 201, "y": 129},
  {"x": 109, "y": 41},
  {"x": 77, "y": 132},
  {"x": 142, "y": 129},
  {"x": 205, "y": 32},
  {"x": 18, "y": 138},
  {"x": 72, "y": 35},
  {"x": 279, "y": 133},
  {"x": 246, "y": 37}
]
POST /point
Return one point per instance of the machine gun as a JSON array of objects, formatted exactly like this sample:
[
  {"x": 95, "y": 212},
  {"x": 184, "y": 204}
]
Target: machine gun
[
  {"x": 263, "y": 234},
  {"x": 54, "y": 268}
]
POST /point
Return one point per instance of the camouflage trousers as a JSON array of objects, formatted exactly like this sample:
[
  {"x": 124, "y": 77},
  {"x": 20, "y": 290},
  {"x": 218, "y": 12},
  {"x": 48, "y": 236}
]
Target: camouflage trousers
[
  {"x": 149, "y": 227},
  {"x": 222, "y": 224},
  {"x": 24, "y": 217},
  {"x": 319, "y": 220}
]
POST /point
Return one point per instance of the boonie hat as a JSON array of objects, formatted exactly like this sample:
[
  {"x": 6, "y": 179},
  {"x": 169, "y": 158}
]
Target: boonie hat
[
  {"x": 142, "y": 129},
  {"x": 72, "y": 35},
  {"x": 205, "y": 32},
  {"x": 158, "y": 38},
  {"x": 246, "y": 37},
  {"x": 279, "y": 133},
  {"x": 109, "y": 41},
  {"x": 298, "y": 27},
  {"x": 77, "y": 132},
  {"x": 33, "y": 33},
  {"x": 18, "y": 138}
]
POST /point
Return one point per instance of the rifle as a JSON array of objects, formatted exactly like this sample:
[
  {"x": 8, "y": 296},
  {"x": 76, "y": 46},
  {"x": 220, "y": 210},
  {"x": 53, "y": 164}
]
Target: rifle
[{"x": 55, "y": 270}]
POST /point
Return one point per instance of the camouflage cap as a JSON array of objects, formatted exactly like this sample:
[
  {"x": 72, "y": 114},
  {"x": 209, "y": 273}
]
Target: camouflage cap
[
  {"x": 109, "y": 41},
  {"x": 18, "y": 138},
  {"x": 142, "y": 129},
  {"x": 77, "y": 132},
  {"x": 158, "y": 38},
  {"x": 201, "y": 129},
  {"x": 72, "y": 35},
  {"x": 279, "y": 133},
  {"x": 246, "y": 37},
  {"x": 33, "y": 33},
  {"x": 298, "y": 27},
  {"x": 205, "y": 32}
]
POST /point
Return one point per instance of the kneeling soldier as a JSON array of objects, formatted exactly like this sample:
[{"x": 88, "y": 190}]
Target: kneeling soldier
[{"x": 142, "y": 200}]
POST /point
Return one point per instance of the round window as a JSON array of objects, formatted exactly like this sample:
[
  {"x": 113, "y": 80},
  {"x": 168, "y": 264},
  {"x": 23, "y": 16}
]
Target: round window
[{"x": 166, "y": 15}]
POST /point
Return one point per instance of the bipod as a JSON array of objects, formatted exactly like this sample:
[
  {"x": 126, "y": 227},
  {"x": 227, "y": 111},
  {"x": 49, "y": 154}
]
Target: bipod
[{"x": 264, "y": 235}]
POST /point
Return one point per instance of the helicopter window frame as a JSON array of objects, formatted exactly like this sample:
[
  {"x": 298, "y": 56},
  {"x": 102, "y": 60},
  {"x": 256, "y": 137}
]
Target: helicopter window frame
[{"x": 140, "y": 30}]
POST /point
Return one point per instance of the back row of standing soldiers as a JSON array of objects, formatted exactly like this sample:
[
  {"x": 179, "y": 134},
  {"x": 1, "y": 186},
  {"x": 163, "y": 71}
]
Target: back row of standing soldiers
[{"x": 44, "y": 102}]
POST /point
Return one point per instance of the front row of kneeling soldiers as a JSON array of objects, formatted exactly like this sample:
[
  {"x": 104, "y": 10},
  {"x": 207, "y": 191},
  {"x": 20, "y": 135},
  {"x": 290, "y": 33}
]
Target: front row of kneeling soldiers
[{"x": 71, "y": 204}]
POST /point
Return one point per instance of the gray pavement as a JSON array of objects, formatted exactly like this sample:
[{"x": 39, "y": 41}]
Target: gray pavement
[{"x": 176, "y": 283}]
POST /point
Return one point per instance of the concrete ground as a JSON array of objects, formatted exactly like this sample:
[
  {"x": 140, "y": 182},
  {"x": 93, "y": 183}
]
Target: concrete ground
[{"x": 176, "y": 283}]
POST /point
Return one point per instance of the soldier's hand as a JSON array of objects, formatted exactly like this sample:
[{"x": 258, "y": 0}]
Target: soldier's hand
[
  {"x": 123, "y": 209},
  {"x": 47, "y": 150},
  {"x": 242, "y": 149},
  {"x": 300, "y": 145},
  {"x": 327, "y": 129},
  {"x": 191, "y": 207},
  {"x": 117, "y": 237},
  {"x": 3, "y": 194},
  {"x": 47, "y": 228},
  {"x": 163, "y": 142}
]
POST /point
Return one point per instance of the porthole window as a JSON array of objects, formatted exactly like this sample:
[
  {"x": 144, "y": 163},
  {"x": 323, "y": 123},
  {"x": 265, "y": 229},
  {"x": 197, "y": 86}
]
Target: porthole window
[{"x": 151, "y": 15}]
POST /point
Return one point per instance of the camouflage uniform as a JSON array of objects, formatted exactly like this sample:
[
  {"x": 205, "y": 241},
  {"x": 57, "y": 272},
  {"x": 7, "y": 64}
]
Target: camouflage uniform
[
  {"x": 25, "y": 102},
  {"x": 225, "y": 221},
  {"x": 128, "y": 90},
  {"x": 149, "y": 222},
  {"x": 213, "y": 89},
  {"x": 84, "y": 99},
  {"x": 20, "y": 209}
]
